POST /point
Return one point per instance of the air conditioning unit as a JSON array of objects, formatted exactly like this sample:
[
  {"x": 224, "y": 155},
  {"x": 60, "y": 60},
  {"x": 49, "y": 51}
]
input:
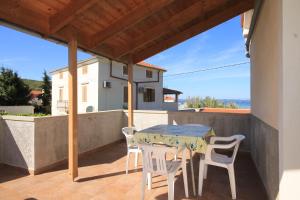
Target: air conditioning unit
[
  {"x": 106, "y": 84},
  {"x": 141, "y": 89}
]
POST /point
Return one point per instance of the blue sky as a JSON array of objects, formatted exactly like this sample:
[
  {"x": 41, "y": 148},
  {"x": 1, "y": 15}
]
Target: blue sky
[{"x": 222, "y": 45}]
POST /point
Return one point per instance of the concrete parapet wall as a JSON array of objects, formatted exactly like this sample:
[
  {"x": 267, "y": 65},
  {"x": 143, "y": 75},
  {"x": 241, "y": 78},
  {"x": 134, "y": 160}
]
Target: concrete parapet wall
[
  {"x": 94, "y": 130},
  {"x": 17, "y": 109},
  {"x": 17, "y": 141},
  {"x": 224, "y": 124},
  {"x": 265, "y": 154}
]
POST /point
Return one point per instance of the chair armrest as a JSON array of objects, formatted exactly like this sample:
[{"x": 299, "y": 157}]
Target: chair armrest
[
  {"x": 211, "y": 147},
  {"x": 221, "y": 146},
  {"x": 222, "y": 139}
]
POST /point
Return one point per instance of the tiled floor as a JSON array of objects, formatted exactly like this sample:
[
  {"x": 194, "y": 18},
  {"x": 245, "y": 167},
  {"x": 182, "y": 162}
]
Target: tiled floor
[{"x": 102, "y": 176}]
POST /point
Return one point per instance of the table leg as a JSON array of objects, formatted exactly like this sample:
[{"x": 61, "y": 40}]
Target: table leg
[{"x": 192, "y": 171}]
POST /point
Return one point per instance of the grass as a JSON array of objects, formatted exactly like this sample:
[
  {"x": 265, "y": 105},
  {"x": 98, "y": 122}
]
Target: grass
[
  {"x": 28, "y": 115},
  {"x": 33, "y": 84}
]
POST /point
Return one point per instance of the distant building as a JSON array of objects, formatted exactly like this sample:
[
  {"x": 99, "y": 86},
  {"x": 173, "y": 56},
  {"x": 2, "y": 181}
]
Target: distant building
[
  {"x": 102, "y": 85},
  {"x": 35, "y": 97}
]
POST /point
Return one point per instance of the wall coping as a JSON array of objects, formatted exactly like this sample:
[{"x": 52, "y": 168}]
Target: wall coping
[{"x": 18, "y": 118}]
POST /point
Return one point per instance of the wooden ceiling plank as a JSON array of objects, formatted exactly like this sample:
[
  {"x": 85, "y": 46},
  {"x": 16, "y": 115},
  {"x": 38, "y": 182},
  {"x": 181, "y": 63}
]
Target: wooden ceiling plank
[
  {"x": 65, "y": 16},
  {"x": 129, "y": 20},
  {"x": 182, "y": 17},
  {"x": 212, "y": 20},
  {"x": 12, "y": 12}
]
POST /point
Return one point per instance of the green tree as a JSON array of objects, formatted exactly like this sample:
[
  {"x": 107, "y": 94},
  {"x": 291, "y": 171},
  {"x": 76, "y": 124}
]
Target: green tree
[
  {"x": 13, "y": 91},
  {"x": 46, "y": 87},
  {"x": 207, "y": 102}
]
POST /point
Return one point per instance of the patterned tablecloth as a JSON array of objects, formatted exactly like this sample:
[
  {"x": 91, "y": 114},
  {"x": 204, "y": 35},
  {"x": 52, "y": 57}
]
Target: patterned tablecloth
[{"x": 193, "y": 137}]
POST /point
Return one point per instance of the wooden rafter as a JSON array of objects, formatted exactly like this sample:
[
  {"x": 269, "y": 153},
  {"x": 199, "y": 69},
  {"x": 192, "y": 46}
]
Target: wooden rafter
[
  {"x": 219, "y": 15},
  {"x": 180, "y": 18},
  {"x": 65, "y": 16},
  {"x": 129, "y": 20}
]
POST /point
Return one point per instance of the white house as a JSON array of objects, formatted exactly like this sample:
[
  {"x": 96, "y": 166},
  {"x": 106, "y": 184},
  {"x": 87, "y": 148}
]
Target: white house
[{"x": 102, "y": 85}]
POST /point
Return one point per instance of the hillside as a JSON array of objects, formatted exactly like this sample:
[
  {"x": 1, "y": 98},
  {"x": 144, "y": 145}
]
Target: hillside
[{"x": 33, "y": 84}]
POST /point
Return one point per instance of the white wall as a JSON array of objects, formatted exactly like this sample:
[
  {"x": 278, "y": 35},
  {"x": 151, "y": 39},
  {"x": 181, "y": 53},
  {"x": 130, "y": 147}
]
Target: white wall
[
  {"x": 101, "y": 98},
  {"x": 265, "y": 51},
  {"x": 91, "y": 79},
  {"x": 290, "y": 102}
]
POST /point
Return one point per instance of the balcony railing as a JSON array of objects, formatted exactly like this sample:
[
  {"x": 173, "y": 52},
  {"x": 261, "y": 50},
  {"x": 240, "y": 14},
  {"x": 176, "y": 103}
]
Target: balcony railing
[{"x": 62, "y": 105}]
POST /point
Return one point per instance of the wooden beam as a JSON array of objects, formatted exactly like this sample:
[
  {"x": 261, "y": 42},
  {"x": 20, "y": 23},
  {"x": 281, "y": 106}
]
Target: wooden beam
[
  {"x": 180, "y": 18},
  {"x": 72, "y": 119},
  {"x": 129, "y": 20},
  {"x": 130, "y": 94},
  {"x": 211, "y": 19},
  {"x": 65, "y": 16}
]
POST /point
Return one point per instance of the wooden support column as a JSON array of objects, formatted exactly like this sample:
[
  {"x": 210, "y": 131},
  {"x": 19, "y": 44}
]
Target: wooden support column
[
  {"x": 72, "y": 119},
  {"x": 130, "y": 94}
]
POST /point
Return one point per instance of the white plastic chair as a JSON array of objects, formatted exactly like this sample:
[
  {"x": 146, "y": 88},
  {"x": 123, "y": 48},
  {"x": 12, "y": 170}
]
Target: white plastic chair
[
  {"x": 191, "y": 161},
  {"x": 129, "y": 134},
  {"x": 155, "y": 163},
  {"x": 220, "y": 160}
]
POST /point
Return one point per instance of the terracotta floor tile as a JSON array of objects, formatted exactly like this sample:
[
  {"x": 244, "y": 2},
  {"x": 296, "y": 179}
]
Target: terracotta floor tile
[{"x": 102, "y": 176}]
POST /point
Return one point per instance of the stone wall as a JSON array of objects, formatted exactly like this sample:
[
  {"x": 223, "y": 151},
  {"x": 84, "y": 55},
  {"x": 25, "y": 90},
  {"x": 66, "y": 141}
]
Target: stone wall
[{"x": 265, "y": 154}]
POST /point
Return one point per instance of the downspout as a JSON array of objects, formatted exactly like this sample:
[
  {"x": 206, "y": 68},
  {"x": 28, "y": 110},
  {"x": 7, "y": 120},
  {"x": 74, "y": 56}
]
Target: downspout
[{"x": 257, "y": 8}]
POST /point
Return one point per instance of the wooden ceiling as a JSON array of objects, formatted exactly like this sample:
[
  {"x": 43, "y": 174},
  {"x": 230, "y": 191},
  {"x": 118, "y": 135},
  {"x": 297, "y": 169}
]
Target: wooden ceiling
[{"x": 124, "y": 30}]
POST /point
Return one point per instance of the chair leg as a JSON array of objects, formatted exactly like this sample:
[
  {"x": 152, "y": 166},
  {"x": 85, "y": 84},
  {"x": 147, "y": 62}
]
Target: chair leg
[
  {"x": 171, "y": 187},
  {"x": 136, "y": 159},
  {"x": 149, "y": 175},
  {"x": 192, "y": 171},
  {"x": 232, "y": 181},
  {"x": 201, "y": 174},
  {"x": 185, "y": 182},
  {"x": 127, "y": 161},
  {"x": 205, "y": 171},
  {"x": 144, "y": 181}
]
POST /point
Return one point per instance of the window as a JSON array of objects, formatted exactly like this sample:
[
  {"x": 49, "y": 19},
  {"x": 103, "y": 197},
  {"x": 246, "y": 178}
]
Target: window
[
  {"x": 148, "y": 73},
  {"x": 125, "y": 70},
  {"x": 61, "y": 94},
  {"x": 61, "y": 75},
  {"x": 125, "y": 94},
  {"x": 84, "y": 88},
  {"x": 149, "y": 95},
  {"x": 84, "y": 69}
]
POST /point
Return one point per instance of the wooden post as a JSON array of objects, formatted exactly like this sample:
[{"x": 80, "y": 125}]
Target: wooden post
[
  {"x": 72, "y": 120},
  {"x": 130, "y": 94}
]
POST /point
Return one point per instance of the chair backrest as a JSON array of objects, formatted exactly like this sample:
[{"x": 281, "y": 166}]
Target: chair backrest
[
  {"x": 129, "y": 134},
  {"x": 154, "y": 158},
  {"x": 237, "y": 140}
]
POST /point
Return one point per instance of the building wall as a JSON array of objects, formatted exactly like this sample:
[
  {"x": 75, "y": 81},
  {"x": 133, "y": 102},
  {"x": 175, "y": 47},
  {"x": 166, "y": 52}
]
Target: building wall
[
  {"x": 91, "y": 79},
  {"x": 266, "y": 59},
  {"x": 100, "y": 98},
  {"x": 290, "y": 102},
  {"x": 265, "y": 51}
]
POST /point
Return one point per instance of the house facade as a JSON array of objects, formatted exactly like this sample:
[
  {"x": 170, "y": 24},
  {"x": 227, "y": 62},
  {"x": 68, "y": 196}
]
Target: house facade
[{"x": 102, "y": 85}]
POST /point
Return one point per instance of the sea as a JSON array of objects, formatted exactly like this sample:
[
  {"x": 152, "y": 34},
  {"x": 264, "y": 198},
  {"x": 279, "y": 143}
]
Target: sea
[{"x": 241, "y": 103}]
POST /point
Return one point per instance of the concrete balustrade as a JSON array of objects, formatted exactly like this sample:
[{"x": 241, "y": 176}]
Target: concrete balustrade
[{"x": 40, "y": 143}]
